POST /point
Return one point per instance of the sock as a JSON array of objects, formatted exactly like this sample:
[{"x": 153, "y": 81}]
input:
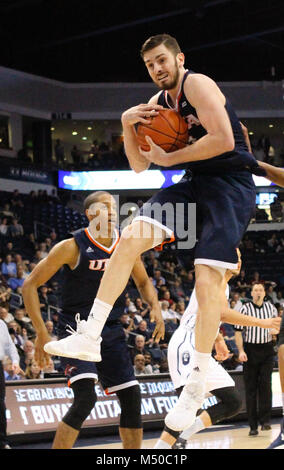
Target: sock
[
  {"x": 198, "y": 425},
  {"x": 283, "y": 402},
  {"x": 200, "y": 364},
  {"x": 97, "y": 317},
  {"x": 162, "y": 445}
]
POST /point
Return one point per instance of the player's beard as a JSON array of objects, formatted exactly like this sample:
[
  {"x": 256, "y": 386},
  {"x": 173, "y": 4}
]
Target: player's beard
[{"x": 173, "y": 83}]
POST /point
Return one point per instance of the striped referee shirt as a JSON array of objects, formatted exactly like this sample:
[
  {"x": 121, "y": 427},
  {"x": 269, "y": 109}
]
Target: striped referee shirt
[{"x": 255, "y": 334}]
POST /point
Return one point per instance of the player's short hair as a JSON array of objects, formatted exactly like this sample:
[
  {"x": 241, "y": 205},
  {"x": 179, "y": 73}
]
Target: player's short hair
[
  {"x": 154, "y": 41},
  {"x": 93, "y": 197}
]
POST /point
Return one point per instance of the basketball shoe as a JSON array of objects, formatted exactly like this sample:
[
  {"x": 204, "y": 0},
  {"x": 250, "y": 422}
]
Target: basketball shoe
[
  {"x": 78, "y": 345},
  {"x": 279, "y": 441},
  {"x": 183, "y": 414}
]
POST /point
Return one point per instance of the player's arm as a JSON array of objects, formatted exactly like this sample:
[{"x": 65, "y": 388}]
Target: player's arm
[
  {"x": 234, "y": 317},
  {"x": 65, "y": 252},
  {"x": 149, "y": 295},
  {"x": 273, "y": 173},
  {"x": 246, "y": 136},
  {"x": 129, "y": 118},
  {"x": 209, "y": 102}
]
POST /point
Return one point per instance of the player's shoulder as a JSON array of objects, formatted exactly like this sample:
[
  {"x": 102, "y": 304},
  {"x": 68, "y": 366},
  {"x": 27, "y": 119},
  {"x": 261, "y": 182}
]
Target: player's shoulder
[
  {"x": 198, "y": 82},
  {"x": 66, "y": 248},
  {"x": 155, "y": 98}
]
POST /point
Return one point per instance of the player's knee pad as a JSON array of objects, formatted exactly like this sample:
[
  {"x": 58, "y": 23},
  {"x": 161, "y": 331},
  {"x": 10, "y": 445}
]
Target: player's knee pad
[
  {"x": 84, "y": 401},
  {"x": 229, "y": 405},
  {"x": 130, "y": 404}
]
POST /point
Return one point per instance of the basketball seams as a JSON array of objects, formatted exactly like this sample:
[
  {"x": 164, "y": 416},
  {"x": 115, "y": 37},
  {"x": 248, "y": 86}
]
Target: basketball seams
[
  {"x": 168, "y": 124},
  {"x": 160, "y": 132}
]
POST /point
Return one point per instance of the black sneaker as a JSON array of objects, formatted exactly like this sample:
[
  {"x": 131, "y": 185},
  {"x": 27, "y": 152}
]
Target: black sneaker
[
  {"x": 253, "y": 432},
  {"x": 180, "y": 443}
]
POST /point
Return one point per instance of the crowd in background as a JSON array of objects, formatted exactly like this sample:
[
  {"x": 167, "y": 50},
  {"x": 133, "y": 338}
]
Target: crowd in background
[{"x": 20, "y": 251}]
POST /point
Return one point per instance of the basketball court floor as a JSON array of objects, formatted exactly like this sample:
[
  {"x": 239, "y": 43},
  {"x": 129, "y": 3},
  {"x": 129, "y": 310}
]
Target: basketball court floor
[{"x": 231, "y": 436}]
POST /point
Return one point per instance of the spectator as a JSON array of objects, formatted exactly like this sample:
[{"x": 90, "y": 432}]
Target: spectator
[
  {"x": 9, "y": 371},
  {"x": 158, "y": 277},
  {"x": 49, "y": 368},
  {"x": 276, "y": 210},
  {"x": 18, "y": 281},
  {"x": 5, "y": 315},
  {"x": 139, "y": 347},
  {"x": 177, "y": 292},
  {"x": 279, "y": 298},
  {"x": 59, "y": 152},
  {"x": 4, "y": 227},
  {"x": 43, "y": 250},
  {"x": 50, "y": 329},
  {"x": 53, "y": 237},
  {"x": 166, "y": 314},
  {"x": 16, "y": 230},
  {"x": 142, "y": 309},
  {"x": 139, "y": 365},
  {"x": 9, "y": 268},
  {"x": 167, "y": 296},
  {"x": 164, "y": 366},
  {"x": 33, "y": 370},
  {"x": 149, "y": 362},
  {"x": 29, "y": 350},
  {"x": 271, "y": 294},
  {"x": 143, "y": 330}
]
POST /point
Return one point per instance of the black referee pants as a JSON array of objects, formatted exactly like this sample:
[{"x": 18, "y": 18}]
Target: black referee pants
[
  {"x": 257, "y": 377},
  {"x": 3, "y": 421}
]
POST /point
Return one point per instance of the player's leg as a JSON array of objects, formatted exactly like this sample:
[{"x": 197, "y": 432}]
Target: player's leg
[
  {"x": 208, "y": 292},
  {"x": 116, "y": 375},
  {"x": 130, "y": 427},
  {"x": 278, "y": 443},
  {"x": 138, "y": 237},
  {"x": 229, "y": 405},
  {"x": 83, "y": 403}
]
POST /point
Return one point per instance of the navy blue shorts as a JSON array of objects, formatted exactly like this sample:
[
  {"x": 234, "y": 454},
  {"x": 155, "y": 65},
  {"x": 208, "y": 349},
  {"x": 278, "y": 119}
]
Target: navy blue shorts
[
  {"x": 115, "y": 371},
  {"x": 220, "y": 206}
]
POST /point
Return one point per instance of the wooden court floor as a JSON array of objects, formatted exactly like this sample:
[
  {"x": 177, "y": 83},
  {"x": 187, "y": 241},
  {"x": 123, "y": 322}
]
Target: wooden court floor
[{"x": 227, "y": 438}]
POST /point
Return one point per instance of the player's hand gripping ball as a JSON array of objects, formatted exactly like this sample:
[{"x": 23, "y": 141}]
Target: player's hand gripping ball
[{"x": 168, "y": 130}]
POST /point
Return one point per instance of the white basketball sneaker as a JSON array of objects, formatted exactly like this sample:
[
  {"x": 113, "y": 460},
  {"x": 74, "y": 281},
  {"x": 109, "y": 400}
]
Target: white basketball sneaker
[
  {"x": 183, "y": 414},
  {"x": 79, "y": 345}
]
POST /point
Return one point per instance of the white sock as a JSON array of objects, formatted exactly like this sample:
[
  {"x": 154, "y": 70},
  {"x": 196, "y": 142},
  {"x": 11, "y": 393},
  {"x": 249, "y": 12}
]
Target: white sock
[
  {"x": 197, "y": 426},
  {"x": 98, "y": 316},
  {"x": 162, "y": 445},
  {"x": 283, "y": 402},
  {"x": 200, "y": 364}
]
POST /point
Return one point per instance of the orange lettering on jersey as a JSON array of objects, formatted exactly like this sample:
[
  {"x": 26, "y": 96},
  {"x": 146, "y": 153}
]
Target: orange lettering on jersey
[{"x": 98, "y": 264}]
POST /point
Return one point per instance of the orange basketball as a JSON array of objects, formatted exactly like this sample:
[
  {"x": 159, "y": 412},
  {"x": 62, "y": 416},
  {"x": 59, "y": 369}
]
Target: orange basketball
[{"x": 168, "y": 130}]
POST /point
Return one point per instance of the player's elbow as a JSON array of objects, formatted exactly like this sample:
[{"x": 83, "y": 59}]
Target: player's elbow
[{"x": 228, "y": 144}]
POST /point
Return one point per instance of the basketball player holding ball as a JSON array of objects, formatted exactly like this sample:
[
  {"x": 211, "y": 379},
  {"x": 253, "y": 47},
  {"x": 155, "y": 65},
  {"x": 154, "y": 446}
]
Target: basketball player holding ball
[{"x": 218, "y": 180}]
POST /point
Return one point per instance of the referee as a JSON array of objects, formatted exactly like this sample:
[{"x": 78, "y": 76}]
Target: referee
[
  {"x": 257, "y": 354},
  {"x": 7, "y": 348}
]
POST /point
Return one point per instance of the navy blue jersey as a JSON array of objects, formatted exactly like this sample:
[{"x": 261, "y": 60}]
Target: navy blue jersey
[
  {"x": 237, "y": 159},
  {"x": 81, "y": 284}
]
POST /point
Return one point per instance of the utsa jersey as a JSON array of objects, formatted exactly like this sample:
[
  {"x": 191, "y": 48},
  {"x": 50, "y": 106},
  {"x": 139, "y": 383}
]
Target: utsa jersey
[
  {"x": 80, "y": 285},
  {"x": 237, "y": 159}
]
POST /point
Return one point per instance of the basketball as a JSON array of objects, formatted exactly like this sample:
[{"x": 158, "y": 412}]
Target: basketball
[{"x": 168, "y": 130}]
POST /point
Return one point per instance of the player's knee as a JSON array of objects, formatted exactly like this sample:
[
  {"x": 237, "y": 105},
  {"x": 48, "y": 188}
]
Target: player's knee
[
  {"x": 130, "y": 403},
  {"x": 84, "y": 401}
]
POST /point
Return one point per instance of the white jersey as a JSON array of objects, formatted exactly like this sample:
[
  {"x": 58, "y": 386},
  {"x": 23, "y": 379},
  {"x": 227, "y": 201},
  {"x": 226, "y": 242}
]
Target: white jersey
[{"x": 181, "y": 347}]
